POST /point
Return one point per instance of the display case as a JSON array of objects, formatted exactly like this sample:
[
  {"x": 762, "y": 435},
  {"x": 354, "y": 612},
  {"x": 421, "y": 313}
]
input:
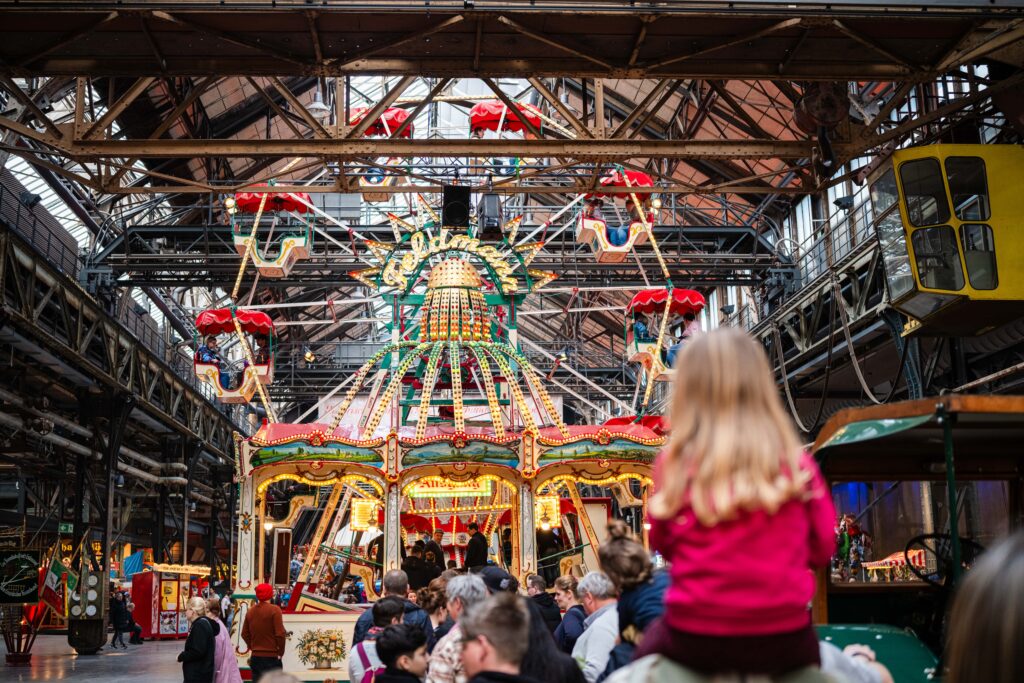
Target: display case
[{"x": 160, "y": 596}]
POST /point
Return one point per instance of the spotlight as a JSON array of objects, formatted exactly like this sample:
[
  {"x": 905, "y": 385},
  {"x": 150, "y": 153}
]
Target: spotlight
[
  {"x": 268, "y": 526},
  {"x": 844, "y": 203},
  {"x": 647, "y": 526},
  {"x": 29, "y": 199},
  {"x": 309, "y": 356},
  {"x": 119, "y": 480},
  {"x": 728, "y": 309},
  {"x": 656, "y": 203},
  {"x": 230, "y": 206},
  {"x": 192, "y": 507}
]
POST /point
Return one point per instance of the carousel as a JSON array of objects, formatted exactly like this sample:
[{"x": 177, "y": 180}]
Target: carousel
[{"x": 447, "y": 424}]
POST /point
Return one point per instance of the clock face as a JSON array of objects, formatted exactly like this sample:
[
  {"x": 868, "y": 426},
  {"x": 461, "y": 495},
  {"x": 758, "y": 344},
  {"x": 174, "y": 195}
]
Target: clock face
[{"x": 19, "y": 576}]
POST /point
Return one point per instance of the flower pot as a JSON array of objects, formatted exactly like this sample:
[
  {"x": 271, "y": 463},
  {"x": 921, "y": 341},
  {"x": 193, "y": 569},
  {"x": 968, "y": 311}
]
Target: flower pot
[{"x": 322, "y": 664}]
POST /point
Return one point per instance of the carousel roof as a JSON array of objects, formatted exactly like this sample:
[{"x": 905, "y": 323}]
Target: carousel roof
[
  {"x": 280, "y": 432},
  {"x": 490, "y": 113}
]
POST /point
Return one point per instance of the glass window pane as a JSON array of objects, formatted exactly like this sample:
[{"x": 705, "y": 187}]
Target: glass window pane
[
  {"x": 883, "y": 193},
  {"x": 938, "y": 259},
  {"x": 980, "y": 256},
  {"x": 924, "y": 191},
  {"x": 876, "y": 520},
  {"x": 968, "y": 188},
  {"x": 894, "y": 255}
]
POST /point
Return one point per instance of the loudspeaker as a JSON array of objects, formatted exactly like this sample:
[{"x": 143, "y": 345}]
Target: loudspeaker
[
  {"x": 488, "y": 218},
  {"x": 455, "y": 206}
]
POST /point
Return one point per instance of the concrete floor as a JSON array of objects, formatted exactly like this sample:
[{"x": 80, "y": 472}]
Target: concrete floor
[{"x": 54, "y": 660}]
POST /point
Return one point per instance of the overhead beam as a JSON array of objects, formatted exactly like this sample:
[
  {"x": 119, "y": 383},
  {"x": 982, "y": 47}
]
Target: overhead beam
[{"x": 604, "y": 150}]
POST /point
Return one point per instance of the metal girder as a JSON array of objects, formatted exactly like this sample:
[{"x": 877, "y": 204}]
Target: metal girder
[
  {"x": 603, "y": 150},
  {"x": 491, "y": 39},
  {"x": 55, "y": 313}
]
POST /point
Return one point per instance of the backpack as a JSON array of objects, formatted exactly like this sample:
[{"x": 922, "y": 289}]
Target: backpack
[{"x": 369, "y": 674}]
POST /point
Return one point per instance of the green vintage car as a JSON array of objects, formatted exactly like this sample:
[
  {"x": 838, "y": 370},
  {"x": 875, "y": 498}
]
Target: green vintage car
[{"x": 902, "y": 475}]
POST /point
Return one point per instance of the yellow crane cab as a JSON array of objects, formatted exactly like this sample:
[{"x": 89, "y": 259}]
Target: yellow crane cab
[
  {"x": 948, "y": 223},
  {"x": 296, "y": 234},
  {"x": 211, "y": 368}
]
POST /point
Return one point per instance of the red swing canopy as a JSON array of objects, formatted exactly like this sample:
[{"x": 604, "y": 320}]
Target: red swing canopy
[
  {"x": 249, "y": 202},
  {"x": 616, "y": 179},
  {"x": 681, "y": 301},
  {"x": 220, "y": 321},
  {"x": 488, "y": 114},
  {"x": 388, "y": 122},
  {"x": 656, "y": 423}
]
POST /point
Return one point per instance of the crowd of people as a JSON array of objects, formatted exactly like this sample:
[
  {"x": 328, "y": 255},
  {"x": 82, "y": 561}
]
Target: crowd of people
[{"x": 743, "y": 519}]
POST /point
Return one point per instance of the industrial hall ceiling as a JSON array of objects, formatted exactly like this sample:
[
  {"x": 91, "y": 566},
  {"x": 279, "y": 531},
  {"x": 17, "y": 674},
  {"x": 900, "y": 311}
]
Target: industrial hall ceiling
[{"x": 144, "y": 115}]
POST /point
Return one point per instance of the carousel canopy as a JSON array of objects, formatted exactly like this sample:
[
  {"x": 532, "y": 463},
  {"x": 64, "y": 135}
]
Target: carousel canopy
[
  {"x": 390, "y": 121},
  {"x": 490, "y": 113},
  {"x": 681, "y": 301},
  {"x": 220, "y": 321},
  {"x": 249, "y": 202}
]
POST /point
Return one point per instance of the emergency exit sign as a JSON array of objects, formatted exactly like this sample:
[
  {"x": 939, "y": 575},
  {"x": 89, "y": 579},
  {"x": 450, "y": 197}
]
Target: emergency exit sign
[{"x": 65, "y": 528}]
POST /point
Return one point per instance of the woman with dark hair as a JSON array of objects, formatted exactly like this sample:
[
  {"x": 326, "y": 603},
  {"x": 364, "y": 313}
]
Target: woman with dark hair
[
  {"x": 434, "y": 602},
  {"x": 987, "y": 620},
  {"x": 545, "y": 663}
]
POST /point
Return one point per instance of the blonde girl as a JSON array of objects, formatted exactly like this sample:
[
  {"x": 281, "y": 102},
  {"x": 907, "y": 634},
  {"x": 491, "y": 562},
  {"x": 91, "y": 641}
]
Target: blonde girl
[{"x": 741, "y": 513}]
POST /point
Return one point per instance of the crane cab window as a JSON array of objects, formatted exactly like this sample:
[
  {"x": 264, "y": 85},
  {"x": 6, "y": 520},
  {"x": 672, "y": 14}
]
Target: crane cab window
[
  {"x": 979, "y": 255},
  {"x": 938, "y": 260},
  {"x": 968, "y": 188},
  {"x": 925, "y": 192}
]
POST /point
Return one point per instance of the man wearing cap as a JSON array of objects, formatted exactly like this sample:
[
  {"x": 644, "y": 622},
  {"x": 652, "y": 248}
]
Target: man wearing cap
[
  {"x": 476, "y": 549},
  {"x": 264, "y": 633}
]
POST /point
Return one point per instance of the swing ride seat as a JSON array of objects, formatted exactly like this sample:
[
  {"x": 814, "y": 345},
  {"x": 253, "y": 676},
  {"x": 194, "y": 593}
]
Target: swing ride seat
[
  {"x": 294, "y": 248},
  {"x": 370, "y": 189},
  {"x": 210, "y": 373},
  {"x": 648, "y": 355},
  {"x": 594, "y": 232}
]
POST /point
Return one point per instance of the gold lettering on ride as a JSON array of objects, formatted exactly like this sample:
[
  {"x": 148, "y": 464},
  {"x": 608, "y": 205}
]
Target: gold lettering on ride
[{"x": 397, "y": 271}]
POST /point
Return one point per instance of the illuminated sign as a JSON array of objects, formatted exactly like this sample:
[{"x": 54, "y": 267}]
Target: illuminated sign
[
  {"x": 364, "y": 514},
  {"x": 421, "y": 247},
  {"x": 547, "y": 512},
  {"x": 436, "y": 488}
]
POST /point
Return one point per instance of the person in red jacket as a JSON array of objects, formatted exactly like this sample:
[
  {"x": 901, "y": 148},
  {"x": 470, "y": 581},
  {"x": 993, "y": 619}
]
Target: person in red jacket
[
  {"x": 741, "y": 513},
  {"x": 264, "y": 633}
]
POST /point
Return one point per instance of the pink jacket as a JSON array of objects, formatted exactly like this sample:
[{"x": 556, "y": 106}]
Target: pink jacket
[
  {"x": 751, "y": 575},
  {"x": 225, "y": 663}
]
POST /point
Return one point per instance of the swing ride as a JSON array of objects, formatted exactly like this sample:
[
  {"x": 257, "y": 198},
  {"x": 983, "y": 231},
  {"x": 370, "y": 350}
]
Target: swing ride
[
  {"x": 611, "y": 243},
  {"x": 389, "y": 123},
  {"x": 297, "y": 232},
  {"x": 259, "y": 366},
  {"x": 447, "y": 423}
]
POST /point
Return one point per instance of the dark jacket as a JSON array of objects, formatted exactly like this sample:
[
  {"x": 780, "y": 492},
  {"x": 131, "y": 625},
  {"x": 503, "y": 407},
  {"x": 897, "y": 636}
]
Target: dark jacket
[
  {"x": 498, "y": 677},
  {"x": 432, "y": 546},
  {"x": 638, "y": 607},
  {"x": 119, "y": 617},
  {"x": 545, "y": 662},
  {"x": 396, "y": 676},
  {"x": 569, "y": 631},
  {"x": 548, "y": 610},
  {"x": 418, "y": 572},
  {"x": 476, "y": 550},
  {"x": 197, "y": 659},
  {"x": 442, "y": 629},
  {"x": 413, "y": 615}
]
